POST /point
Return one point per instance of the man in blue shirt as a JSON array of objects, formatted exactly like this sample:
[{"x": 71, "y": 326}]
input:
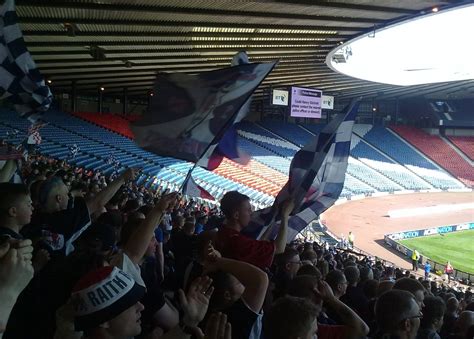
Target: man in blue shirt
[{"x": 427, "y": 270}]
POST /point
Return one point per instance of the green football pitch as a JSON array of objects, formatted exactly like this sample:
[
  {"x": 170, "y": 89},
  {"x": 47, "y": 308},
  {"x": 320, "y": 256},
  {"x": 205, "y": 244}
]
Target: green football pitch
[{"x": 457, "y": 247}]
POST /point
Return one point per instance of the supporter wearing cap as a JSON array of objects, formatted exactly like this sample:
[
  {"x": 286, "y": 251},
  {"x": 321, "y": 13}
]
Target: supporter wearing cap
[
  {"x": 232, "y": 244},
  {"x": 106, "y": 304}
]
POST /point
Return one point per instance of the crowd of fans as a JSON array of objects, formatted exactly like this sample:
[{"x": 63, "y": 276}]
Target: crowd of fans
[{"x": 85, "y": 256}]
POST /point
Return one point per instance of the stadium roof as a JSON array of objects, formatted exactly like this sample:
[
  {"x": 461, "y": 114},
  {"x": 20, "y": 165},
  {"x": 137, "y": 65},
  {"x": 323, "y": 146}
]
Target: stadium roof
[{"x": 123, "y": 43}]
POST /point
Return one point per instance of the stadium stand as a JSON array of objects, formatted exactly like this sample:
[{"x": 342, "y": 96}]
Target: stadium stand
[
  {"x": 399, "y": 151},
  {"x": 465, "y": 145},
  {"x": 439, "y": 151},
  {"x": 379, "y": 162}
]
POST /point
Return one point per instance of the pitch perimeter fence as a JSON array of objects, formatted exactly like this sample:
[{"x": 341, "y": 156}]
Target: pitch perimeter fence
[{"x": 392, "y": 240}]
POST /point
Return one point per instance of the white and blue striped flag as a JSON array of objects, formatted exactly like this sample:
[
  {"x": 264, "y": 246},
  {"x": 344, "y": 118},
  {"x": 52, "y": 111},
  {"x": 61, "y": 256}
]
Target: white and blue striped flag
[
  {"x": 317, "y": 174},
  {"x": 20, "y": 80}
]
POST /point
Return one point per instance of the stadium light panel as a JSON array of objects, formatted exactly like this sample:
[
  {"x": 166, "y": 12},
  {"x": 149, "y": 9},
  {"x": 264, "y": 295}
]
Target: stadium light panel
[{"x": 428, "y": 49}]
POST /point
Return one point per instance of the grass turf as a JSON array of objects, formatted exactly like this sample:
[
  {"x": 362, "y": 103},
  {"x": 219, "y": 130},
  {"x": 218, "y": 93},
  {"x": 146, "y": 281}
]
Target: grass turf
[{"x": 457, "y": 247}]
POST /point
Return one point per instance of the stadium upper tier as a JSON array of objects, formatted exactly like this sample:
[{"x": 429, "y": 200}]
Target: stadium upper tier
[{"x": 380, "y": 161}]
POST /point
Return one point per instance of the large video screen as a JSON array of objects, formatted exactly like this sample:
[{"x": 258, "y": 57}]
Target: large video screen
[
  {"x": 280, "y": 97},
  {"x": 305, "y": 102}
]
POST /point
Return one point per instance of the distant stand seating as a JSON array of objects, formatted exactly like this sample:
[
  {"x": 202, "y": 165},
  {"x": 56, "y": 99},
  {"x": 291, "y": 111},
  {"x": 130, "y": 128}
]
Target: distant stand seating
[
  {"x": 439, "y": 151},
  {"x": 113, "y": 122},
  {"x": 465, "y": 144},
  {"x": 386, "y": 166}
]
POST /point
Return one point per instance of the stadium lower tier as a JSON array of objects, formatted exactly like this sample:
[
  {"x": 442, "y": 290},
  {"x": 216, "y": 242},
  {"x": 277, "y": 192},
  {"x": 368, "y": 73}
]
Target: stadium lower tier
[{"x": 381, "y": 160}]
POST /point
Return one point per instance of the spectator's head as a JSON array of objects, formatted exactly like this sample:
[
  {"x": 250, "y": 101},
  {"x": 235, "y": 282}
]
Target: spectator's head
[
  {"x": 338, "y": 282},
  {"x": 236, "y": 208},
  {"x": 131, "y": 206},
  {"x": 352, "y": 275},
  {"x": 384, "y": 286},
  {"x": 202, "y": 219},
  {"x": 397, "y": 313},
  {"x": 16, "y": 206},
  {"x": 452, "y": 305},
  {"x": 227, "y": 290},
  {"x": 470, "y": 306},
  {"x": 178, "y": 221},
  {"x": 309, "y": 255},
  {"x": 370, "y": 287},
  {"x": 53, "y": 195},
  {"x": 433, "y": 313},
  {"x": 413, "y": 286},
  {"x": 99, "y": 238},
  {"x": 78, "y": 189},
  {"x": 302, "y": 286},
  {"x": 291, "y": 317},
  {"x": 189, "y": 227},
  {"x": 464, "y": 323},
  {"x": 309, "y": 269},
  {"x": 106, "y": 303},
  {"x": 289, "y": 261},
  {"x": 366, "y": 273}
]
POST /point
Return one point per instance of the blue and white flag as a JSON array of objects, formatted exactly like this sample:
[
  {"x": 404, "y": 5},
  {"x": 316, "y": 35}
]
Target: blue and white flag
[
  {"x": 227, "y": 145},
  {"x": 193, "y": 189},
  {"x": 20, "y": 80},
  {"x": 190, "y": 113},
  {"x": 73, "y": 150},
  {"x": 317, "y": 174}
]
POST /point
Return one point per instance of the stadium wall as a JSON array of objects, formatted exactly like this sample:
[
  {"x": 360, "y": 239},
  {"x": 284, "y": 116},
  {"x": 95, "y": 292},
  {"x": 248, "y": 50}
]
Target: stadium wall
[{"x": 393, "y": 238}]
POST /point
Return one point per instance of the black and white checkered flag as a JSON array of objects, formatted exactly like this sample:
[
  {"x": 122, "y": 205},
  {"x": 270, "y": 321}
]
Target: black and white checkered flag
[
  {"x": 20, "y": 79},
  {"x": 73, "y": 150}
]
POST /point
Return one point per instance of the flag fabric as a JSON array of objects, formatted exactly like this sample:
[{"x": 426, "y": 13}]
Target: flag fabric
[
  {"x": 227, "y": 146},
  {"x": 73, "y": 150},
  {"x": 316, "y": 179},
  {"x": 8, "y": 152},
  {"x": 189, "y": 113},
  {"x": 20, "y": 79},
  {"x": 34, "y": 137},
  {"x": 192, "y": 189}
]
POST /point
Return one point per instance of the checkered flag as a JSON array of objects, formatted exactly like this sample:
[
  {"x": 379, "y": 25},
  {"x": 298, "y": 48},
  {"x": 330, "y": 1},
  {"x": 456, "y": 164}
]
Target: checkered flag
[
  {"x": 317, "y": 174},
  {"x": 20, "y": 79},
  {"x": 73, "y": 150},
  {"x": 110, "y": 159},
  {"x": 11, "y": 135}
]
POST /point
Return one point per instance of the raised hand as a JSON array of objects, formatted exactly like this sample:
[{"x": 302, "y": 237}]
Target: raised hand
[
  {"x": 210, "y": 258},
  {"x": 130, "y": 174},
  {"x": 287, "y": 207},
  {"x": 167, "y": 201},
  {"x": 196, "y": 301},
  {"x": 15, "y": 272},
  {"x": 217, "y": 327},
  {"x": 324, "y": 291},
  {"x": 24, "y": 248}
]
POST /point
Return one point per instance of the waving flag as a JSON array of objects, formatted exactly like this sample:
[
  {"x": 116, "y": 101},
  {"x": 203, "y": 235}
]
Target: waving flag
[
  {"x": 190, "y": 113},
  {"x": 192, "y": 189},
  {"x": 20, "y": 80},
  {"x": 317, "y": 174},
  {"x": 227, "y": 145}
]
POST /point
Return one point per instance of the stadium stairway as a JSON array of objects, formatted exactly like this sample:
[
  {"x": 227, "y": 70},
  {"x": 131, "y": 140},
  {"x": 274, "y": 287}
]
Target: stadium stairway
[
  {"x": 394, "y": 147},
  {"x": 464, "y": 144},
  {"x": 438, "y": 151}
]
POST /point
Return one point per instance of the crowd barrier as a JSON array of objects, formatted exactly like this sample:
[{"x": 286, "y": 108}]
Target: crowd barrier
[{"x": 393, "y": 238}]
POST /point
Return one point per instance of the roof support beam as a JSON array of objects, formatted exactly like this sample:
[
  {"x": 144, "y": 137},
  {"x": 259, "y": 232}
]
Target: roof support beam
[{"x": 176, "y": 11}]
